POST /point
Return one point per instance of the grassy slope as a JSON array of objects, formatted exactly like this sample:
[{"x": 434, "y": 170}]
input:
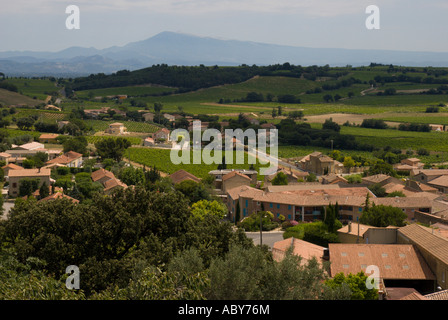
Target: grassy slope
[{"x": 8, "y": 98}]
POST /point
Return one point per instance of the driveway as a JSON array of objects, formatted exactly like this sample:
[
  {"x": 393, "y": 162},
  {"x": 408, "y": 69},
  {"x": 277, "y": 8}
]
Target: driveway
[{"x": 268, "y": 237}]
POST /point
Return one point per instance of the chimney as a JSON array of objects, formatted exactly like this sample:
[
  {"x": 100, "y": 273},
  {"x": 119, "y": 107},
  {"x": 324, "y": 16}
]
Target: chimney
[{"x": 349, "y": 226}]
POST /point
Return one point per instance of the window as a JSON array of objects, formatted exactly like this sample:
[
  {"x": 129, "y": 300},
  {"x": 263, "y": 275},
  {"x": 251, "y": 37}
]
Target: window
[
  {"x": 402, "y": 255},
  {"x": 345, "y": 266},
  {"x": 270, "y": 205},
  {"x": 360, "y": 209},
  {"x": 361, "y": 254},
  {"x": 289, "y": 217},
  {"x": 289, "y": 207},
  {"x": 405, "y": 266},
  {"x": 244, "y": 212},
  {"x": 384, "y": 255},
  {"x": 247, "y": 203},
  {"x": 278, "y": 206},
  {"x": 363, "y": 266},
  {"x": 344, "y": 254},
  {"x": 387, "y": 266}
]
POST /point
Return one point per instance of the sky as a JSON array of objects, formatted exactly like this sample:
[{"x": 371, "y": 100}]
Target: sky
[{"x": 410, "y": 25}]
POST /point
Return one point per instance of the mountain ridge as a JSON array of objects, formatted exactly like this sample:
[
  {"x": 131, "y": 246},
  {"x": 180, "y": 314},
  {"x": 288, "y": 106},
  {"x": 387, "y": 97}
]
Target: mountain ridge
[{"x": 176, "y": 48}]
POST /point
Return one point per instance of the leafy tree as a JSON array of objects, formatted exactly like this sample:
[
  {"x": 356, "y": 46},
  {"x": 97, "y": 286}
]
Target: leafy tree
[
  {"x": 25, "y": 123},
  {"x": 76, "y": 144},
  {"x": 396, "y": 194},
  {"x": 27, "y": 186},
  {"x": 383, "y": 216},
  {"x": 356, "y": 284},
  {"x": 194, "y": 191},
  {"x": 249, "y": 274},
  {"x": 280, "y": 179},
  {"x": 377, "y": 190},
  {"x": 206, "y": 207},
  {"x": 329, "y": 124},
  {"x": 112, "y": 148},
  {"x": 296, "y": 114},
  {"x": 44, "y": 190},
  {"x": 328, "y": 97}
]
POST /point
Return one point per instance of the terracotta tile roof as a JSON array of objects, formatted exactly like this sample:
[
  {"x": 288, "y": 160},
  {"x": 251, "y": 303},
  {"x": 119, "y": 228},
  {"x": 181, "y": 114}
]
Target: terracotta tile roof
[
  {"x": 395, "y": 261},
  {"x": 441, "y": 181},
  {"x": 29, "y": 172},
  {"x": 5, "y": 155},
  {"x": 12, "y": 166},
  {"x": 434, "y": 244},
  {"x": 406, "y": 202},
  {"x": 233, "y": 174},
  {"x": 31, "y": 146},
  {"x": 244, "y": 192},
  {"x": 182, "y": 175},
  {"x": 377, "y": 178},
  {"x": 66, "y": 158},
  {"x": 112, "y": 183},
  {"x": 59, "y": 195},
  {"x": 101, "y": 173},
  {"x": 441, "y": 295},
  {"x": 301, "y": 248}
]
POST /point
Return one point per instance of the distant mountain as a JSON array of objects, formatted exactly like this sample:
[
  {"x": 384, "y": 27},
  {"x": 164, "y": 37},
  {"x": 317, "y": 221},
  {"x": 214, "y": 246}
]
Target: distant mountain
[{"x": 182, "y": 49}]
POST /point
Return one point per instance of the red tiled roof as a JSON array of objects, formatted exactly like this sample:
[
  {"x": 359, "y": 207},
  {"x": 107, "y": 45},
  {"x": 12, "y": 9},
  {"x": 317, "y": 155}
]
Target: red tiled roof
[
  {"x": 233, "y": 174},
  {"x": 182, "y": 175}
]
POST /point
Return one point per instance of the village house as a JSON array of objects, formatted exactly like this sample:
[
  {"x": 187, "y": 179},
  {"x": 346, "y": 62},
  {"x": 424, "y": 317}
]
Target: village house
[
  {"x": 148, "y": 116},
  {"x": 360, "y": 233},
  {"x": 15, "y": 176},
  {"x": 320, "y": 164},
  {"x": 10, "y": 166},
  {"x": 399, "y": 265},
  {"x": 182, "y": 175},
  {"x": 108, "y": 180},
  {"x": 116, "y": 128},
  {"x": 293, "y": 177},
  {"x": 148, "y": 142},
  {"x": 161, "y": 135},
  {"x": 220, "y": 173},
  {"x": 432, "y": 247},
  {"x": 380, "y": 179},
  {"x": 58, "y": 195},
  {"x": 4, "y": 156},
  {"x": 306, "y": 250},
  {"x": 48, "y": 137},
  {"x": 69, "y": 159}
]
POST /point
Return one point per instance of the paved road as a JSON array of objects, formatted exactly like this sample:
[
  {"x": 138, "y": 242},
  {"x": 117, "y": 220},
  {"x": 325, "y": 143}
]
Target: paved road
[
  {"x": 6, "y": 207},
  {"x": 268, "y": 238}
]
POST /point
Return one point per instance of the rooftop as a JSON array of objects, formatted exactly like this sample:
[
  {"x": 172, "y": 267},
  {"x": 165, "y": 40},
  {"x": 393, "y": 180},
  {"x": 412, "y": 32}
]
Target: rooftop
[
  {"x": 422, "y": 237},
  {"x": 395, "y": 261},
  {"x": 29, "y": 173}
]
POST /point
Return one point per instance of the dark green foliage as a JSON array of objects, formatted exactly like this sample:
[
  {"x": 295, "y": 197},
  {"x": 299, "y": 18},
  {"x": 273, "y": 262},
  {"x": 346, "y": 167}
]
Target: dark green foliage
[
  {"x": 110, "y": 148},
  {"x": 383, "y": 216},
  {"x": 76, "y": 144},
  {"x": 27, "y": 186},
  {"x": 280, "y": 179}
]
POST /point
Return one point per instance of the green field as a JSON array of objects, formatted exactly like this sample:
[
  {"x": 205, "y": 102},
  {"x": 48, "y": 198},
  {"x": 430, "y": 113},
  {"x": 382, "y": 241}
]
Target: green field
[
  {"x": 131, "y": 91},
  {"x": 132, "y": 126},
  {"x": 160, "y": 158},
  {"x": 39, "y": 88}
]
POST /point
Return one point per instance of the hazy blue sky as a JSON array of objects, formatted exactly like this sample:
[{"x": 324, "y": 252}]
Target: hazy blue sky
[{"x": 39, "y": 25}]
